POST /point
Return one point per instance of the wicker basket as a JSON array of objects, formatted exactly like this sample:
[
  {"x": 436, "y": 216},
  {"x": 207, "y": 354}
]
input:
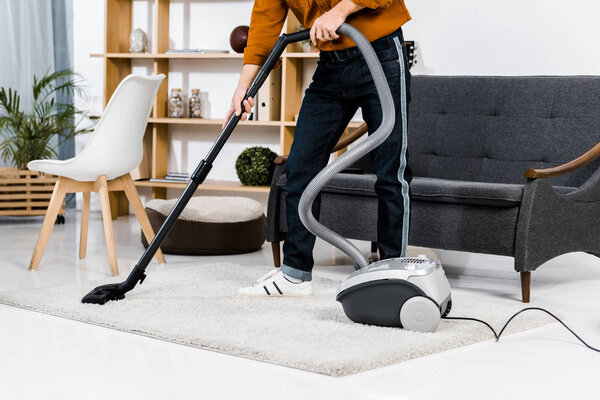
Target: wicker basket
[{"x": 24, "y": 192}]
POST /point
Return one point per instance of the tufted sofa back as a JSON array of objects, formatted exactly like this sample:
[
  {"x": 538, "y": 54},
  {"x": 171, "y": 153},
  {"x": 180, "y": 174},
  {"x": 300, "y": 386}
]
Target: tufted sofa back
[{"x": 492, "y": 129}]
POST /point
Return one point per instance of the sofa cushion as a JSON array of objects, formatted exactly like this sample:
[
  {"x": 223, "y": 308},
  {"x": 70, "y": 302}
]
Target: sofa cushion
[
  {"x": 493, "y": 129},
  {"x": 435, "y": 190}
]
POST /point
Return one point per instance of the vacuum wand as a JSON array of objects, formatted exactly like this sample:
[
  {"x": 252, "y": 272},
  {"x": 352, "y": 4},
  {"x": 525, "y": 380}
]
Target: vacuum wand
[{"x": 116, "y": 291}]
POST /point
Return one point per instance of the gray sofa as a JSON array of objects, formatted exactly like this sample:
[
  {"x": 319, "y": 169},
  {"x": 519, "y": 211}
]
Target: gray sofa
[{"x": 501, "y": 165}]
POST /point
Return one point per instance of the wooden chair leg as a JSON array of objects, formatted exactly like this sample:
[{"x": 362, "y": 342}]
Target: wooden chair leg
[
  {"x": 85, "y": 218},
  {"x": 58, "y": 195},
  {"x": 525, "y": 286},
  {"x": 276, "y": 254},
  {"x": 134, "y": 199},
  {"x": 101, "y": 186}
]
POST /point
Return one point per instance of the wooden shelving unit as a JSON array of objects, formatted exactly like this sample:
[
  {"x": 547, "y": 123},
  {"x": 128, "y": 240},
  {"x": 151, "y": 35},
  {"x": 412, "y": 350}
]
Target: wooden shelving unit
[
  {"x": 215, "y": 185},
  {"x": 117, "y": 65},
  {"x": 216, "y": 56},
  {"x": 212, "y": 56},
  {"x": 207, "y": 121}
]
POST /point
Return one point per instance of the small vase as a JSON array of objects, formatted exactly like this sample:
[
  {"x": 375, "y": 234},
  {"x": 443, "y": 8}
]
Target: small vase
[
  {"x": 176, "y": 104},
  {"x": 195, "y": 104}
]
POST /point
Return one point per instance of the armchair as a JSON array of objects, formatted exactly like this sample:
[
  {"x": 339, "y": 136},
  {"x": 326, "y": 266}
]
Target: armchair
[{"x": 557, "y": 222}]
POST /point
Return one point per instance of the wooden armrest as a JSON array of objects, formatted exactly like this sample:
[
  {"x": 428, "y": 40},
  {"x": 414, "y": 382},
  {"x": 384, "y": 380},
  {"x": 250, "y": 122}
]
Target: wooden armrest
[
  {"x": 343, "y": 142},
  {"x": 563, "y": 169},
  {"x": 351, "y": 138},
  {"x": 280, "y": 159}
]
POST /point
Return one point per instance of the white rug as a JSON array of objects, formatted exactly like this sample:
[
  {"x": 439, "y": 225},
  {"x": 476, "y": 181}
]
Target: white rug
[{"x": 199, "y": 306}]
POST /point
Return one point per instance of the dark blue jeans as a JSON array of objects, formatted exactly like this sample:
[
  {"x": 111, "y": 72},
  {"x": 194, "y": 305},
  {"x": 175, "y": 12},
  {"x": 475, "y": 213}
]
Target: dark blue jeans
[{"x": 341, "y": 84}]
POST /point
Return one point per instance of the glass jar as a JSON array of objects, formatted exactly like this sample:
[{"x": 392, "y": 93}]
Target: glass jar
[
  {"x": 175, "y": 104},
  {"x": 195, "y": 104}
]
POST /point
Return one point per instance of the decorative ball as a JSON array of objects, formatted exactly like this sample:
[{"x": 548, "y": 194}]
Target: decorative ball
[
  {"x": 239, "y": 38},
  {"x": 254, "y": 167}
]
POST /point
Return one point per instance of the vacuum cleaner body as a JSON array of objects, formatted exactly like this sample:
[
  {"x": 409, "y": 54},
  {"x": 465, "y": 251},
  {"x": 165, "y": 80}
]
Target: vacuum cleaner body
[{"x": 410, "y": 293}]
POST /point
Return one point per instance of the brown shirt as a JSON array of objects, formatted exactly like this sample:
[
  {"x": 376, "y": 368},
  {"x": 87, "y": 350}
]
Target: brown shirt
[{"x": 378, "y": 19}]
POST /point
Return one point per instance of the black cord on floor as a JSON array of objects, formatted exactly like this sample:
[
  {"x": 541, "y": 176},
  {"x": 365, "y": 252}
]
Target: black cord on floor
[{"x": 498, "y": 335}]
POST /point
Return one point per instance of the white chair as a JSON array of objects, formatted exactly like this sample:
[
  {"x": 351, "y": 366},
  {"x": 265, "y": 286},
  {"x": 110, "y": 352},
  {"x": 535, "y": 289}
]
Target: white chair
[{"x": 113, "y": 151}]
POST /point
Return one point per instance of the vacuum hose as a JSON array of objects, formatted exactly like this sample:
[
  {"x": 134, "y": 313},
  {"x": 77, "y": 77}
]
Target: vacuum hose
[{"x": 358, "y": 151}]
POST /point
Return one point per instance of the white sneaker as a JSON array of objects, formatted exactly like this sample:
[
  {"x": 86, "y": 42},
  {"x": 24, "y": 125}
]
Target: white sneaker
[{"x": 276, "y": 284}]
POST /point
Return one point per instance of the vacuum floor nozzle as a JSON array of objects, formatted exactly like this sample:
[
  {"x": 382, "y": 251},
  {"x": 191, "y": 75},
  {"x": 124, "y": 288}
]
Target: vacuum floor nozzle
[{"x": 105, "y": 293}]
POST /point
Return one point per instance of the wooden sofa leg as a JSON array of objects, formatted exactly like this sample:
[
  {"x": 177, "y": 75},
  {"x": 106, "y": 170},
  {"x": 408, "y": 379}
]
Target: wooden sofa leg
[
  {"x": 276, "y": 254},
  {"x": 525, "y": 286},
  {"x": 374, "y": 253}
]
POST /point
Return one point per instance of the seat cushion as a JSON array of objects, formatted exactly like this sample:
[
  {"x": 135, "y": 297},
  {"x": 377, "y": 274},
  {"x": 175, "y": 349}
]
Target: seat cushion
[
  {"x": 435, "y": 190},
  {"x": 210, "y": 225},
  {"x": 215, "y": 209},
  {"x": 462, "y": 192}
]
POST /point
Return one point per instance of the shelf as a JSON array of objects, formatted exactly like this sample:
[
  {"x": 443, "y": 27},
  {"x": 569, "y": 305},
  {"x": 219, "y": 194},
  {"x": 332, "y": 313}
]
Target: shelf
[
  {"x": 301, "y": 55},
  {"x": 351, "y": 125},
  {"x": 219, "y": 122},
  {"x": 151, "y": 56},
  {"x": 206, "y": 121},
  {"x": 193, "y": 56},
  {"x": 227, "y": 186}
]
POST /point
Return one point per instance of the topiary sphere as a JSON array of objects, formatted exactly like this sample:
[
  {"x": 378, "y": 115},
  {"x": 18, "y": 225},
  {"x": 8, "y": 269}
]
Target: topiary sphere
[{"x": 254, "y": 167}]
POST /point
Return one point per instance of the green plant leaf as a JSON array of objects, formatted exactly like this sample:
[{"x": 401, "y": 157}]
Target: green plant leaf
[{"x": 28, "y": 136}]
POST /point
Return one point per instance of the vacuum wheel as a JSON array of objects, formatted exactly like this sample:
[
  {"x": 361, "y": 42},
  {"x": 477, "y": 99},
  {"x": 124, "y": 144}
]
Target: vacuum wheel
[
  {"x": 448, "y": 308},
  {"x": 60, "y": 219},
  {"x": 420, "y": 314}
]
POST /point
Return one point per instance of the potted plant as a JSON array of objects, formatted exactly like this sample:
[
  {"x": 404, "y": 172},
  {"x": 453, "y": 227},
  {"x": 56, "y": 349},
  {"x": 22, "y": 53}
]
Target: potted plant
[
  {"x": 27, "y": 135},
  {"x": 254, "y": 166}
]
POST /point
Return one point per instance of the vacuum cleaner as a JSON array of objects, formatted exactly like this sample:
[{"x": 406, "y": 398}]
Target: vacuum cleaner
[{"x": 411, "y": 293}]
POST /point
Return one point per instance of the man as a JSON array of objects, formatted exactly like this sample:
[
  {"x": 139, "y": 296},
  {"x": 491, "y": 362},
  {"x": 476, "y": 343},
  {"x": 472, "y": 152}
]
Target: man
[{"x": 341, "y": 84}]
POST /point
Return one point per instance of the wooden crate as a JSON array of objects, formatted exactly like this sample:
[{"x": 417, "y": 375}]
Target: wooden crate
[{"x": 24, "y": 192}]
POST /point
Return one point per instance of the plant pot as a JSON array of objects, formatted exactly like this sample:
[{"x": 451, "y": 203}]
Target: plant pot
[
  {"x": 24, "y": 192},
  {"x": 307, "y": 47}
]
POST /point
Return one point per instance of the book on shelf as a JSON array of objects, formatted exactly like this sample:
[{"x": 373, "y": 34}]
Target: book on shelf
[
  {"x": 173, "y": 177},
  {"x": 169, "y": 180},
  {"x": 177, "y": 175},
  {"x": 268, "y": 99}
]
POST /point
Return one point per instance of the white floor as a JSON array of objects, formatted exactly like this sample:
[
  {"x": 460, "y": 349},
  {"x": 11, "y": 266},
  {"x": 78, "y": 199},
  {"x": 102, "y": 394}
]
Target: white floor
[{"x": 52, "y": 358}]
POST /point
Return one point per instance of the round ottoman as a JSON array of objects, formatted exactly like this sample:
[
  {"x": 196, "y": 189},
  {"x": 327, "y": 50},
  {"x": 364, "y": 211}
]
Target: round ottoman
[{"x": 210, "y": 225}]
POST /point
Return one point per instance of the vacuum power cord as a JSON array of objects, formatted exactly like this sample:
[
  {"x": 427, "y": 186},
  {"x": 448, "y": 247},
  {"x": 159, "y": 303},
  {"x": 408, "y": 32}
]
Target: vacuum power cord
[{"x": 498, "y": 335}]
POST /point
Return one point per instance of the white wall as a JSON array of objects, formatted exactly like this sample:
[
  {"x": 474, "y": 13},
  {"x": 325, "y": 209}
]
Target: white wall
[{"x": 509, "y": 37}]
